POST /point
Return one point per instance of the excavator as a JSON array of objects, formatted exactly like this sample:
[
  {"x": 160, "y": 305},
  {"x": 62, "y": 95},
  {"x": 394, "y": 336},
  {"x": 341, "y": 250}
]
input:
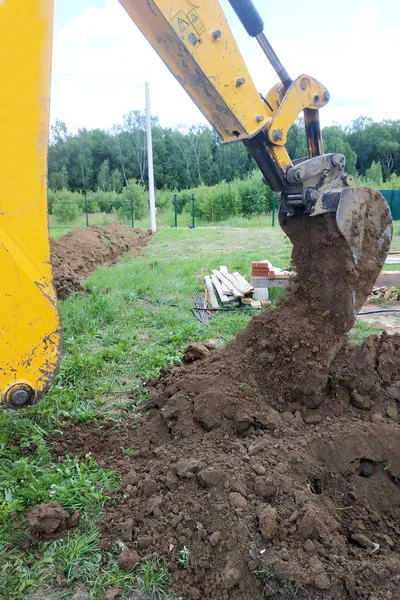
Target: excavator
[{"x": 196, "y": 43}]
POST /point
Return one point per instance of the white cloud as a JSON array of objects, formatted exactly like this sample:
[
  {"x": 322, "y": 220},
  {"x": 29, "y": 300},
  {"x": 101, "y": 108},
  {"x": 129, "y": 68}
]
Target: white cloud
[{"x": 100, "y": 58}]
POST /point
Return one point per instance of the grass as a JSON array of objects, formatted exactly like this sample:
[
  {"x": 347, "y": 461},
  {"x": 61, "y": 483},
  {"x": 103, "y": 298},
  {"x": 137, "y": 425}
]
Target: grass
[
  {"x": 184, "y": 558},
  {"x": 164, "y": 220},
  {"x": 113, "y": 343}
]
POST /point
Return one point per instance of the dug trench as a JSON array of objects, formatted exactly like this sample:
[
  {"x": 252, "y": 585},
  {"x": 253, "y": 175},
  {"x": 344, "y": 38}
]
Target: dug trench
[
  {"x": 270, "y": 468},
  {"x": 80, "y": 251}
]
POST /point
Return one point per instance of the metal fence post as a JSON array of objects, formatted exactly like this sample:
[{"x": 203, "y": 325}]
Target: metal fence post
[
  {"x": 175, "y": 210},
  {"x": 132, "y": 212},
  {"x": 86, "y": 211},
  {"x": 193, "y": 199},
  {"x": 273, "y": 209}
]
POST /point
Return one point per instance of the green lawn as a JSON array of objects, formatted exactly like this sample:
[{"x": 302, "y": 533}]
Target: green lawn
[{"x": 113, "y": 342}]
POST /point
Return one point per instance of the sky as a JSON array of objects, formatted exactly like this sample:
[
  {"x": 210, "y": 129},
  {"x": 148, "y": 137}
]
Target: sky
[{"x": 101, "y": 60}]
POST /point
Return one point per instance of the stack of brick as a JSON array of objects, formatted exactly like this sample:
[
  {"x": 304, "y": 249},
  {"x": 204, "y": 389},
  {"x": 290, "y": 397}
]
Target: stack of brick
[{"x": 266, "y": 270}]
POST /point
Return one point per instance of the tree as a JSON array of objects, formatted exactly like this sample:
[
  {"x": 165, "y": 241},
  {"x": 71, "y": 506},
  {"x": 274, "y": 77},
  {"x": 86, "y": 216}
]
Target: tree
[
  {"x": 335, "y": 140},
  {"x": 116, "y": 181},
  {"x": 103, "y": 176},
  {"x": 134, "y": 141},
  {"x": 58, "y": 180},
  {"x": 135, "y": 195},
  {"x": 66, "y": 207},
  {"x": 58, "y": 156},
  {"x": 358, "y": 138},
  {"x": 230, "y": 161},
  {"x": 80, "y": 160},
  {"x": 374, "y": 174},
  {"x": 296, "y": 144},
  {"x": 186, "y": 157},
  {"x": 387, "y": 151}
]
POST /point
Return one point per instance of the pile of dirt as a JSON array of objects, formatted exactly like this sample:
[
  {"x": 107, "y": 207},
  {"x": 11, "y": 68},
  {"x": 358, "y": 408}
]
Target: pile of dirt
[
  {"x": 275, "y": 462},
  {"x": 80, "y": 251}
]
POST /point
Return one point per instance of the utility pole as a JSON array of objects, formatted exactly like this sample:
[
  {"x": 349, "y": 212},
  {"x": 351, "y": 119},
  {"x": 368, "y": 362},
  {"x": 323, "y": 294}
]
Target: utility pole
[{"x": 153, "y": 225}]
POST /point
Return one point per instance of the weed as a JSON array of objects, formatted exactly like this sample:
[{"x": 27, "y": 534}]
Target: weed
[
  {"x": 153, "y": 579},
  {"x": 130, "y": 453},
  {"x": 293, "y": 589},
  {"x": 362, "y": 330},
  {"x": 184, "y": 558},
  {"x": 263, "y": 575},
  {"x": 244, "y": 386}
]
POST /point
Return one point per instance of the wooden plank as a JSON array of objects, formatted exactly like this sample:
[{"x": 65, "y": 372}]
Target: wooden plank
[
  {"x": 245, "y": 289},
  {"x": 211, "y": 297},
  {"x": 198, "y": 301},
  {"x": 245, "y": 286},
  {"x": 217, "y": 284},
  {"x": 236, "y": 280},
  {"x": 231, "y": 282},
  {"x": 226, "y": 288},
  {"x": 232, "y": 289},
  {"x": 387, "y": 279}
]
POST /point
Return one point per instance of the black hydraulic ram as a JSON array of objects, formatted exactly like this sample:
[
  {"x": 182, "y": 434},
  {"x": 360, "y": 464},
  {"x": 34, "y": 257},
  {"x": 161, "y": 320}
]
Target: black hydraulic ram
[{"x": 254, "y": 25}]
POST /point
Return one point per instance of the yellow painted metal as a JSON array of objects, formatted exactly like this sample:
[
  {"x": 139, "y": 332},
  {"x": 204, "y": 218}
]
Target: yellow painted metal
[
  {"x": 30, "y": 336},
  {"x": 275, "y": 96},
  {"x": 305, "y": 92},
  {"x": 195, "y": 41}
]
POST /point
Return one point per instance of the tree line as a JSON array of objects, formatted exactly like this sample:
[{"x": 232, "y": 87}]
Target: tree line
[{"x": 194, "y": 156}]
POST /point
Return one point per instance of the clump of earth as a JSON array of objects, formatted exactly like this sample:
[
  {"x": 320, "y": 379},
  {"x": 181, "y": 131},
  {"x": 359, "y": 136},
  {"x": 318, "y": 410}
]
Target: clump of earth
[{"x": 50, "y": 520}]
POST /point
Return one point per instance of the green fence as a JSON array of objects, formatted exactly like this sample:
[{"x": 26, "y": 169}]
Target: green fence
[
  {"x": 393, "y": 199},
  {"x": 60, "y": 215}
]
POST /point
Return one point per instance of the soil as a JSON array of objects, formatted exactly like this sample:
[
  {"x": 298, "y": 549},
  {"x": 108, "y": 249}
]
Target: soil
[
  {"x": 276, "y": 461},
  {"x": 50, "y": 520},
  {"x": 80, "y": 251}
]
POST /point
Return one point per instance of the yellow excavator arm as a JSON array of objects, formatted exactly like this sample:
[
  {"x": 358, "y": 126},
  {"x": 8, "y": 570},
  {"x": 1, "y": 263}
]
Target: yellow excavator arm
[
  {"x": 196, "y": 43},
  {"x": 194, "y": 40}
]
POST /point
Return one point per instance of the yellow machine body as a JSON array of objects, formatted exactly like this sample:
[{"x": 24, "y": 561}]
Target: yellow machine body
[{"x": 30, "y": 338}]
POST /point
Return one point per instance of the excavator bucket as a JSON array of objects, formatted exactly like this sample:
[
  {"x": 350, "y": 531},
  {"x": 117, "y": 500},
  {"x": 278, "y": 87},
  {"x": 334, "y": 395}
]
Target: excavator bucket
[
  {"x": 363, "y": 217},
  {"x": 364, "y": 210}
]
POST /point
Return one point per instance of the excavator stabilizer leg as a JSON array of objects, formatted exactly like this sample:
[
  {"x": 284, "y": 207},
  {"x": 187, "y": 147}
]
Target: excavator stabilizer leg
[{"x": 30, "y": 338}]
